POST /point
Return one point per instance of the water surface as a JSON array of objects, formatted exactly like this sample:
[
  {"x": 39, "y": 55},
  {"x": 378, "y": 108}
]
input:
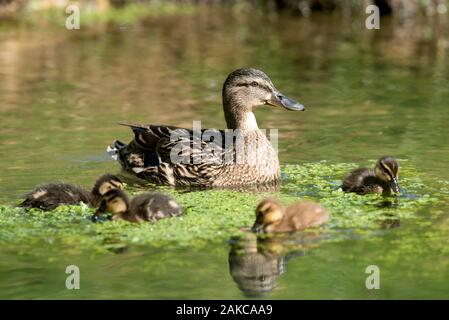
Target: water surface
[{"x": 367, "y": 93}]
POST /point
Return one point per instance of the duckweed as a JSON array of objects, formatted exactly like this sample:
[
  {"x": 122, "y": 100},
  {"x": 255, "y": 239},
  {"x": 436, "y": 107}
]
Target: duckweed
[{"x": 218, "y": 215}]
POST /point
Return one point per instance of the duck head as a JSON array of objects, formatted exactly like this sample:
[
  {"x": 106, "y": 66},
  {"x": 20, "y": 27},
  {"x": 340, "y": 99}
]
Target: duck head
[
  {"x": 105, "y": 183},
  {"x": 245, "y": 89},
  {"x": 387, "y": 169},
  {"x": 269, "y": 212},
  {"x": 114, "y": 201}
]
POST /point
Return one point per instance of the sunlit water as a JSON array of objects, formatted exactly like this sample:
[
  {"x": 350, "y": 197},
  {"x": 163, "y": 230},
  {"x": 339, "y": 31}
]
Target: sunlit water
[{"x": 367, "y": 93}]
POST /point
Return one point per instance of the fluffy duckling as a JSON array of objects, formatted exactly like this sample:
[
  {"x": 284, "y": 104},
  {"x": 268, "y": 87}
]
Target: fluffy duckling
[
  {"x": 150, "y": 206},
  {"x": 49, "y": 196},
  {"x": 382, "y": 179},
  {"x": 272, "y": 216}
]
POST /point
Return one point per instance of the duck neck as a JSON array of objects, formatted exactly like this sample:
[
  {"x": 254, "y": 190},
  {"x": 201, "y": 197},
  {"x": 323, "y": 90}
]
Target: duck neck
[{"x": 238, "y": 116}]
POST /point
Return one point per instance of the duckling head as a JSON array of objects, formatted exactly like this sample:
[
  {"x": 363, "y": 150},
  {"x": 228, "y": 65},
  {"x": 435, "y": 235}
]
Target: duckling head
[
  {"x": 245, "y": 89},
  {"x": 114, "y": 201},
  {"x": 105, "y": 183},
  {"x": 387, "y": 169},
  {"x": 269, "y": 212}
]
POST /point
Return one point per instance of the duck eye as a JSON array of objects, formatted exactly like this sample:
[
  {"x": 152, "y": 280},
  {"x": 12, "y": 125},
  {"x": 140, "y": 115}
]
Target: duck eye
[{"x": 254, "y": 84}]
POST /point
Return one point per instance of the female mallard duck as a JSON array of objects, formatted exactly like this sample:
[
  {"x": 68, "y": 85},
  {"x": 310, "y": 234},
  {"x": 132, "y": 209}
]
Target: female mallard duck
[
  {"x": 150, "y": 206},
  {"x": 383, "y": 179},
  {"x": 49, "y": 196},
  {"x": 182, "y": 157},
  {"x": 272, "y": 216}
]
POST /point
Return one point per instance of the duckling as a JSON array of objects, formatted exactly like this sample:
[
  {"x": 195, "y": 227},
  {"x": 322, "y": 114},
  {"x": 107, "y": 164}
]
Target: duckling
[
  {"x": 103, "y": 184},
  {"x": 149, "y": 206},
  {"x": 382, "y": 179},
  {"x": 272, "y": 216},
  {"x": 49, "y": 196}
]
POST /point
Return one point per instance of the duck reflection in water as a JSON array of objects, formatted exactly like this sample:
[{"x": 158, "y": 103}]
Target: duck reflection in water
[
  {"x": 256, "y": 262},
  {"x": 389, "y": 220},
  {"x": 254, "y": 269}
]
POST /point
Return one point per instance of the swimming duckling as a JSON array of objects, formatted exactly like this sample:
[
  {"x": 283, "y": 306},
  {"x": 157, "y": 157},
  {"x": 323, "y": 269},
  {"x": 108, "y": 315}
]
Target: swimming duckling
[
  {"x": 149, "y": 206},
  {"x": 272, "y": 216},
  {"x": 382, "y": 179},
  {"x": 49, "y": 196},
  {"x": 103, "y": 184}
]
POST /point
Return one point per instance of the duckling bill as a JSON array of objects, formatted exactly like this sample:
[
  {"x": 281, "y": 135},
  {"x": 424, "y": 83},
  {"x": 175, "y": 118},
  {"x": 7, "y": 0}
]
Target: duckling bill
[
  {"x": 149, "y": 206},
  {"x": 382, "y": 179},
  {"x": 272, "y": 216},
  {"x": 49, "y": 196}
]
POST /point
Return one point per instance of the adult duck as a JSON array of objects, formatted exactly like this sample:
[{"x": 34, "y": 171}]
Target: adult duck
[{"x": 242, "y": 155}]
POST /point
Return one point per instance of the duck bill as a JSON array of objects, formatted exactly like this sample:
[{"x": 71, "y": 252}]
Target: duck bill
[
  {"x": 257, "y": 227},
  {"x": 280, "y": 100},
  {"x": 395, "y": 186},
  {"x": 99, "y": 214}
]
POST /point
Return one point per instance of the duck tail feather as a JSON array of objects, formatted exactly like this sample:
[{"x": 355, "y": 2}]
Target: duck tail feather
[
  {"x": 114, "y": 149},
  {"x": 133, "y": 126}
]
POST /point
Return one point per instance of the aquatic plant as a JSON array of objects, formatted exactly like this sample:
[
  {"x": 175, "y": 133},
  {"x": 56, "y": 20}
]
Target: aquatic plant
[{"x": 218, "y": 215}]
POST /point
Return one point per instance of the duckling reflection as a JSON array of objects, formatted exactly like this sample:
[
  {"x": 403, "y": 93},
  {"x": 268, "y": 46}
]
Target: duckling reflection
[
  {"x": 388, "y": 203},
  {"x": 254, "y": 270},
  {"x": 256, "y": 261},
  {"x": 389, "y": 221}
]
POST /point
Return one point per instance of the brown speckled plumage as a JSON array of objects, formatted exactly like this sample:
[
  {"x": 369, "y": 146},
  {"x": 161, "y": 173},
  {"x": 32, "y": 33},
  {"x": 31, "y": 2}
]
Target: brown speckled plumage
[{"x": 148, "y": 155}]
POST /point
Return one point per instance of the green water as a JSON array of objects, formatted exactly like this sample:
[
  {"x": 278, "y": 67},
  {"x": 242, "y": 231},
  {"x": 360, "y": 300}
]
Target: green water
[{"x": 367, "y": 93}]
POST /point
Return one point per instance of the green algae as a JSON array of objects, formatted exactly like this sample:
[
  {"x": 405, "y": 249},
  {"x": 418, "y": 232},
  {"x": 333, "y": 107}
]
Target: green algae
[
  {"x": 218, "y": 215},
  {"x": 321, "y": 182}
]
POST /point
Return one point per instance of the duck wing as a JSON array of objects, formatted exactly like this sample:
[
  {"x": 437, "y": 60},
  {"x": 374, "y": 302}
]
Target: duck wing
[
  {"x": 148, "y": 137},
  {"x": 180, "y": 154},
  {"x": 207, "y": 145}
]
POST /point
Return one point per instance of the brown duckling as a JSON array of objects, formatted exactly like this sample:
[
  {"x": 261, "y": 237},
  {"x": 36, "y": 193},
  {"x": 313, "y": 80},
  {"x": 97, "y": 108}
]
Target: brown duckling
[
  {"x": 49, "y": 196},
  {"x": 149, "y": 206},
  {"x": 382, "y": 179},
  {"x": 272, "y": 216}
]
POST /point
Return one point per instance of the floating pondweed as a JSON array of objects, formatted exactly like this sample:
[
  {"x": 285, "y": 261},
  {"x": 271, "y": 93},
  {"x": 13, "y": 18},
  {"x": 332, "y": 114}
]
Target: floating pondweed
[{"x": 217, "y": 215}]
